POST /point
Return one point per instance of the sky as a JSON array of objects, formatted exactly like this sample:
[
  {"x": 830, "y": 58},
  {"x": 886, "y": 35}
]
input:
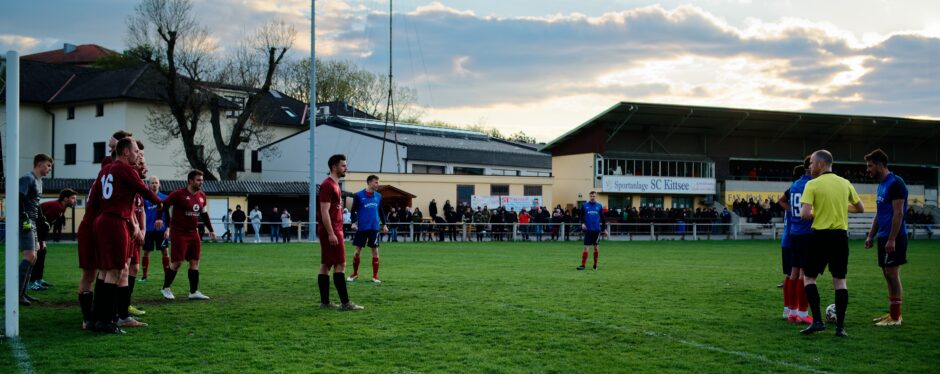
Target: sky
[{"x": 545, "y": 67}]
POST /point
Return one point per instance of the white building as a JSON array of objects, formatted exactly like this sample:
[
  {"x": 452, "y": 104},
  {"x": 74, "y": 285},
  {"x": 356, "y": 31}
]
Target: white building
[{"x": 70, "y": 113}]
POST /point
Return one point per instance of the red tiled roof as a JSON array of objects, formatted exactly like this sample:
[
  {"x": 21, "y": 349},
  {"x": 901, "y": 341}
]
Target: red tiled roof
[{"x": 83, "y": 54}]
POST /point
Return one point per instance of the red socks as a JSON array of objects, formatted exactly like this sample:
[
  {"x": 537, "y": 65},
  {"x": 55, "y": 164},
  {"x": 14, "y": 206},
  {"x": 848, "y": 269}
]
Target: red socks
[
  {"x": 800, "y": 295},
  {"x": 355, "y": 265},
  {"x": 895, "y": 308},
  {"x": 146, "y": 264},
  {"x": 583, "y": 258},
  {"x": 595, "y": 257},
  {"x": 375, "y": 267}
]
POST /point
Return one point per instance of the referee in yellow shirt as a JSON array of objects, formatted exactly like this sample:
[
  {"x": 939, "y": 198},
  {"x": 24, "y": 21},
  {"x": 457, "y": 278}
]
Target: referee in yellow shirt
[{"x": 827, "y": 200}]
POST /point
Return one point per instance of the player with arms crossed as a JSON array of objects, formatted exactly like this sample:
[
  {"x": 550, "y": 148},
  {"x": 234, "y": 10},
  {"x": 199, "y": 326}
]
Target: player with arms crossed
[
  {"x": 891, "y": 231},
  {"x": 113, "y": 199},
  {"x": 188, "y": 204},
  {"x": 592, "y": 224},
  {"x": 367, "y": 217},
  {"x": 826, "y": 201},
  {"x": 329, "y": 215}
]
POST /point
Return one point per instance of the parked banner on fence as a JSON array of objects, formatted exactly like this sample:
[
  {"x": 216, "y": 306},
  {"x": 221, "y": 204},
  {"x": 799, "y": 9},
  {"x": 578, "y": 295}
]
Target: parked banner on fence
[
  {"x": 662, "y": 185},
  {"x": 514, "y": 202}
]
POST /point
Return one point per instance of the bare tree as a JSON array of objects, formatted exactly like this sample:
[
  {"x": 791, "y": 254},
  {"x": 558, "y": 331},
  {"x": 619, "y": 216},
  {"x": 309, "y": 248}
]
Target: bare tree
[{"x": 192, "y": 69}]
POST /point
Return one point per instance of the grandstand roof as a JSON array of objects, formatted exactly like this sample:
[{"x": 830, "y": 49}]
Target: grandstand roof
[{"x": 593, "y": 135}]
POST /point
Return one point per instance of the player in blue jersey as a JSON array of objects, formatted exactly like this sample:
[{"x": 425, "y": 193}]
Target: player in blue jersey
[
  {"x": 156, "y": 234},
  {"x": 889, "y": 227},
  {"x": 367, "y": 218},
  {"x": 592, "y": 224},
  {"x": 799, "y": 238}
]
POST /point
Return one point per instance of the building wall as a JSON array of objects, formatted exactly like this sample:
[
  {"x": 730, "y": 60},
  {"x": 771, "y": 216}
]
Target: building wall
[
  {"x": 35, "y": 134},
  {"x": 289, "y": 160},
  {"x": 573, "y": 175},
  {"x": 444, "y": 187}
]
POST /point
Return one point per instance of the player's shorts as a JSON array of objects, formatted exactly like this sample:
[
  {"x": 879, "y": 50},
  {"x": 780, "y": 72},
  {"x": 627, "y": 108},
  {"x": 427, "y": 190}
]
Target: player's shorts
[
  {"x": 830, "y": 248},
  {"x": 86, "y": 245},
  {"x": 592, "y": 237},
  {"x": 800, "y": 245},
  {"x": 154, "y": 239},
  {"x": 28, "y": 238},
  {"x": 185, "y": 246},
  {"x": 896, "y": 258},
  {"x": 112, "y": 242},
  {"x": 786, "y": 253},
  {"x": 332, "y": 254},
  {"x": 367, "y": 238}
]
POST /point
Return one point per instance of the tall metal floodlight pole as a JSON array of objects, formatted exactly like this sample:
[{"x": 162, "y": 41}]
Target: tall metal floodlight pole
[
  {"x": 312, "y": 117},
  {"x": 12, "y": 203}
]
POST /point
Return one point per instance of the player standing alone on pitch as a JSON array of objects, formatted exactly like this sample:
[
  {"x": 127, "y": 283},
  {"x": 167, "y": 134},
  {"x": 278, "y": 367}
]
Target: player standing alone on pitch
[
  {"x": 367, "y": 217},
  {"x": 890, "y": 228},
  {"x": 188, "y": 204},
  {"x": 329, "y": 215},
  {"x": 592, "y": 224},
  {"x": 826, "y": 201}
]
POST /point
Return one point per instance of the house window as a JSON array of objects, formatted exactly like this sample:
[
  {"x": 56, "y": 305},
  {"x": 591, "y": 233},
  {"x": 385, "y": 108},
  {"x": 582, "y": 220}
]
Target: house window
[
  {"x": 681, "y": 202},
  {"x": 468, "y": 171},
  {"x": 427, "y": 169},
  {"x": 255, "y": 162},
  {"x": 240, "y": 159},
  {"x": 98, "y": 152},
  {"x": 70, "y": 112},
  {"x": 532, "y": 190},
  {"x": 99, "y": 110},
  {"x": 239, "y": 103},
  {"x": 70, "y": 154},
  {"x": 651, "y": 202},
  {"x": 499, "y": 190},
  {"x": 464, "y": 194},
  {"x": 616, "y": 201}
]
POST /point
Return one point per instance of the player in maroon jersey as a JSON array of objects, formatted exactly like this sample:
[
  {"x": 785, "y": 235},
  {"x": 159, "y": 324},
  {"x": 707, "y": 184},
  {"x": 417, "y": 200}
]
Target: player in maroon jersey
[
  {"x": 51, "y": 211},
  {"x": 329, "y": 217},
  {"x": 187, "y": 205},
  {"x": 113, "y": 199},
  {"x": 126, "y": 284}
]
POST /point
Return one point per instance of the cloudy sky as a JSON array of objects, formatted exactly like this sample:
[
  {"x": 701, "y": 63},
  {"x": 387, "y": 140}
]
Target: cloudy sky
[{"x": 547, "y": 66}]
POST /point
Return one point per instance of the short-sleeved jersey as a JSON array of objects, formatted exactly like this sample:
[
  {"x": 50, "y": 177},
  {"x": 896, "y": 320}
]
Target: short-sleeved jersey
[
  {"x": 592, "y": 215},
  {"x": 798, "y": 225},
  {"x": 30, "y": 191},
  {"x": 368, "y": 210},
  {"x": 150, "y": 209},
  {"x": 117, "y": 185},
  {"x": 52, "y": 210},
  {"x": 830, "y": 196},
  {"x": 890, "y": 189},
  {"x": 330, "y": 193},
  {"x": 187, "y": 207}
]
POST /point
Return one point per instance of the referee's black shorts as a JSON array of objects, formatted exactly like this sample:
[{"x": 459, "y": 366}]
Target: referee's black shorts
[{"x": 830, "y": 248}]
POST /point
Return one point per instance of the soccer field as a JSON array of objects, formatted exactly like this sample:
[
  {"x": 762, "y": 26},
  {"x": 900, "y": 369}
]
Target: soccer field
[{"x": 492, "y": 307}]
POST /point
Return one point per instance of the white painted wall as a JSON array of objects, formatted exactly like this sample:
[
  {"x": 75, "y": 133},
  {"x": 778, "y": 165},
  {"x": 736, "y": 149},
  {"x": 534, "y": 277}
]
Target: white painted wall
[
  {"x": 289, "y": 160},
  {"x": 35, "y": 134},
  {"x": 165, "y": 160}
]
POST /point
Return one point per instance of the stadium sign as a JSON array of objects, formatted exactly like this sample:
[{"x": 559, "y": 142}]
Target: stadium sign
[{"x": 661, "y": 185}]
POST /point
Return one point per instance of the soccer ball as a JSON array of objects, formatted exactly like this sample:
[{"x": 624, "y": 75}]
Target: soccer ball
[{"x": 831, "y": 313}]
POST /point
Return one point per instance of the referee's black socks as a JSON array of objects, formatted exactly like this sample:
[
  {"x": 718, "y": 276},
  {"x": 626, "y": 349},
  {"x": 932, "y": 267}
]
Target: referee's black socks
[
  {"x": 842, "y": 301},
  {"x": 812, "y": 297},
  {"x": 339, "y": 279}
]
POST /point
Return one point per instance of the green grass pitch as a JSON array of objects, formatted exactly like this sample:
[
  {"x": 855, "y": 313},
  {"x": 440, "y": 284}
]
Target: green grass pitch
[{"x": 493, "y": 307}]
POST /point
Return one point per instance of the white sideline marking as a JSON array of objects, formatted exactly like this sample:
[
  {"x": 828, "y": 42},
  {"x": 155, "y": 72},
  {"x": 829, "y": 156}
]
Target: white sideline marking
[
  {"x": 21, "y": 356},
  {"x": 690, "y": 343}
]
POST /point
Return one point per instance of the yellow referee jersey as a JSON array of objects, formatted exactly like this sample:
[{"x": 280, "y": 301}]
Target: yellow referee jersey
[{"x": 830, "y": 196}]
